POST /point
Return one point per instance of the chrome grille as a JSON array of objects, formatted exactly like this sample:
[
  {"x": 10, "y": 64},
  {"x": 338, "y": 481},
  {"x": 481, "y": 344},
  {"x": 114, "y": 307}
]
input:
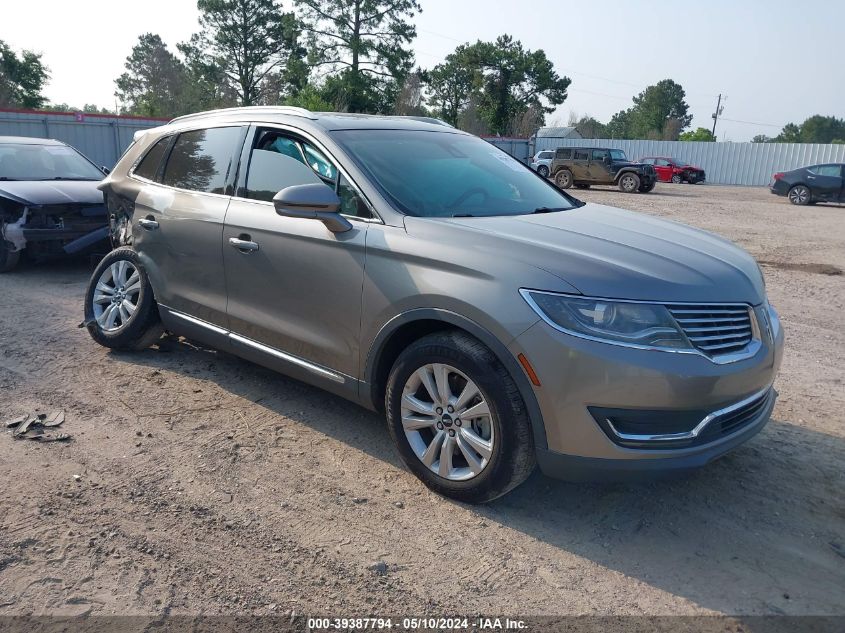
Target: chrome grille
[{"x": 715, "y": 329}]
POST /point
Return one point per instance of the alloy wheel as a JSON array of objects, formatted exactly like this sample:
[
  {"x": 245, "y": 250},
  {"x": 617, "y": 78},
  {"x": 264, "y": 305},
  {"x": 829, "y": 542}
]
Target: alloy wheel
[
  {"x": 799, "y": 195},
  {"x": 628, "y": 183},
  {"x": 447, "y": 422},
  {"x": 116, "y": 295}
]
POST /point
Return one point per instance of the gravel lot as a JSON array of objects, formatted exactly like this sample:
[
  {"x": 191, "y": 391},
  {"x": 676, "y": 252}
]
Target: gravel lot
[{"x": 210, "y": 485}]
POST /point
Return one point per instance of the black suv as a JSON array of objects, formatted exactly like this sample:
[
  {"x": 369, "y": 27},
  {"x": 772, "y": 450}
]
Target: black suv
[{"x": 585, "y": 166}]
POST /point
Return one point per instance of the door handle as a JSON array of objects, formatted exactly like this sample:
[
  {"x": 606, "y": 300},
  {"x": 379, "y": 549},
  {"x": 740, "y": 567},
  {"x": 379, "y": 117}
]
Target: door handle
[
  {"x": 243, "y": 245},
  {"x": 811, "y": 177},
  {"x": 148, "y": 223}
]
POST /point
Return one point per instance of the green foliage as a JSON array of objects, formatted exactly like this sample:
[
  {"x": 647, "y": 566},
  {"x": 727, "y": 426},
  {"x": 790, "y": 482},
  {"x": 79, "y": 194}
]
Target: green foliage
[
  {"x": 588, "y": 127},
  {"x": 504, "y": 81},
  {"x": 310, "y": 98},
  {"x": 450, "y": 86},
  {"x": 699, "y": 134},
  {"x": 364, "y": 44},
  {"x": 659, "y": 112},
  {"x": 247, "y": 40},
  {"x": 155, "y": 80},
  {"x": 22, "y": 78},
  {"x": 762, "y": 138}
]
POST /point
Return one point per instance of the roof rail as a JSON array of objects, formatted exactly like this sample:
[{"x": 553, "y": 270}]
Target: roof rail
[{"x": 291, "y": 110}]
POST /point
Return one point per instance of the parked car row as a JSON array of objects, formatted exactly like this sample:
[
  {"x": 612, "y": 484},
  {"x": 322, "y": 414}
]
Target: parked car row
[{"x": 583, "y": 167}]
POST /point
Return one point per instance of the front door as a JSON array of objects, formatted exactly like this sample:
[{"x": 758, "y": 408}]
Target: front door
[
  {"x": 664, "y": 169},
  {"x": 296, "y": 287},
  {"x": 178, "y": 220}
]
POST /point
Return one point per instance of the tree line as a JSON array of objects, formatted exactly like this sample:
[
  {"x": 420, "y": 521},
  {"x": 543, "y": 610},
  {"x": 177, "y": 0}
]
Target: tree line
[
  {"x": 338, "y": 55},
  {"x": 356, "y": 56}
]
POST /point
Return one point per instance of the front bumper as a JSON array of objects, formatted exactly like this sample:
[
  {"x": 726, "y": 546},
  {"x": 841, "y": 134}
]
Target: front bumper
[{"x": 579, "y": 375}]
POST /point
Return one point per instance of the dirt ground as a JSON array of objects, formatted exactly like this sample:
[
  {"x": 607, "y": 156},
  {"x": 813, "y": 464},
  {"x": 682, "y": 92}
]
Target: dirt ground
[{"x": 210, "y": 485}]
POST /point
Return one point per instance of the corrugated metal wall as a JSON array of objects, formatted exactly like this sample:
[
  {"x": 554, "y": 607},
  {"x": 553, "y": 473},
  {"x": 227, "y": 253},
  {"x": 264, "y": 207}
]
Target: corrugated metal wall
[
  {"x": 725, "y": 163},
  {"x": 519, "y": 148},
  {"x": 101, "y": 138}
]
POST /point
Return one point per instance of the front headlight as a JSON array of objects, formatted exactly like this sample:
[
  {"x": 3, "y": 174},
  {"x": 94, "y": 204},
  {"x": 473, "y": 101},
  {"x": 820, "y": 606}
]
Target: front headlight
[{"x": 633, "y": 324}]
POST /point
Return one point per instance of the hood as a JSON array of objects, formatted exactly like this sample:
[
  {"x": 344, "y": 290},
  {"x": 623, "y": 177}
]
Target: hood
[
  {"x": 607, "y": 252},
  {"x": 627, "y": 163},
  {"x": 38, "y": 193}
]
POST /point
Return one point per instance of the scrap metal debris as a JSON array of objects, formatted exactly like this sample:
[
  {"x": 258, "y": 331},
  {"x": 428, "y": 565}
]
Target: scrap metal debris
[{"x": 36, "y": 426}]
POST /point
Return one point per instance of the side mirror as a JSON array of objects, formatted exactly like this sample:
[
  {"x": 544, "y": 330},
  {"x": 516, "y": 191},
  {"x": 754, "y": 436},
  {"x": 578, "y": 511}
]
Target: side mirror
[
  {"x": 105, "y": 170},
  {"x": 315, "y": 201}
]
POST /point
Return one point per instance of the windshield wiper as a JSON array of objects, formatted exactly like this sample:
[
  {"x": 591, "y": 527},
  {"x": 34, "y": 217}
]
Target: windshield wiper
[{"x": 549, "y": 209}]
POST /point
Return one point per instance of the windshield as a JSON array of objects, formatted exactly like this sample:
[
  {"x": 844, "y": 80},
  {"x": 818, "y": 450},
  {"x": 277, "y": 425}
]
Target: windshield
[
  {"x": 443, "y": 174},
  {"x": 19, "y": 161},
  {"x": 618, "y": 154}
]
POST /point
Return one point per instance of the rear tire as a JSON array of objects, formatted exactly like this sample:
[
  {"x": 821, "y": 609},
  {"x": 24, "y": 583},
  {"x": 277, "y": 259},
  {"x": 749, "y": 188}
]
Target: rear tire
[
  {"x": 120, "y": 310},
  {"x": 629, "y": 182},
  {"x": 676, "y": 179},
  {"x": 8, "y": 258},
  {"x": 563, "y": 178},
  {"x": 501, "y": 430},
  {"x": 800, "y": 195}
]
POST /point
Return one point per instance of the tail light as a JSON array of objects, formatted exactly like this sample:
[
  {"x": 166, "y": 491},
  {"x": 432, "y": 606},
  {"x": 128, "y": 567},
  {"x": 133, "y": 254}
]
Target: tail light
[{"x": 778, "y": 175}]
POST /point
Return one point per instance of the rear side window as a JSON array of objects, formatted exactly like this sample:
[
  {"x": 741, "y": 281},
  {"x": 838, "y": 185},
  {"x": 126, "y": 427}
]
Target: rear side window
[
  {"x": 202, "y": 159},
  {"x": 647, "y": 161},
  {"x": 582, "y": 154},
  {"x": 827, "y": 170},
  {"x": 148, "y": 167},
  {"x": 564, "y": 154}
]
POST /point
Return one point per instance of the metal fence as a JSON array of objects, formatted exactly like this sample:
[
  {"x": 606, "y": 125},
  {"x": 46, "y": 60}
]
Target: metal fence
[
  {"x": 725, "y": 163},
  {"x": 519, "y": 148},
  {"x": 102, "y": 138}
]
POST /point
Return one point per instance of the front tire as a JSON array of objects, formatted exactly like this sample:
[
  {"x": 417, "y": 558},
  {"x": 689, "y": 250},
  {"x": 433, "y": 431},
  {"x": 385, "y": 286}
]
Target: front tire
[
  {"x": 648, "y": 188},
  {"x": 563, "y": 179},
  {"x": 800, "y": 195},
  {"x": 120, "y": 310},
  {"x": 543, "y": 171},
  {"x": 629, "y": 182},
  {"x": 8, "y": 258},
  {"x": 480, "y": 449}
]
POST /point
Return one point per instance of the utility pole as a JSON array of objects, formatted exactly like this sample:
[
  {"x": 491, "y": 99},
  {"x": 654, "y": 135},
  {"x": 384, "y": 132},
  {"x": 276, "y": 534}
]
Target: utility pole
[{"x": 715, "y": 115}]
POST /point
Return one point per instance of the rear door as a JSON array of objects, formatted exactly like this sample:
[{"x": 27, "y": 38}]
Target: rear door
[
  {"x": 580, "y": 165},
  {"x": 598, "y": 170},
  {"x": 178, "y": 219},
  {"x": 825, "y": 181}
]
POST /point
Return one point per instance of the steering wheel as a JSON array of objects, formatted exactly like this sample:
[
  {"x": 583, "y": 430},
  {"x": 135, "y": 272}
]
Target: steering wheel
[{"x": 466, "y": 195}]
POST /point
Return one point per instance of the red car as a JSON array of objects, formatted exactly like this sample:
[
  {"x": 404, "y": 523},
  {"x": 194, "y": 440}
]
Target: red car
[{"x": 674, "y": 170}]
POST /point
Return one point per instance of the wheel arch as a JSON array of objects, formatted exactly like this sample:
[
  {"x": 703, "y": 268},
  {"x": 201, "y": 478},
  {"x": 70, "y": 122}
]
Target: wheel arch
[
  {"x": 407, "y": 327},
  {"x": 623, "y": 171}
]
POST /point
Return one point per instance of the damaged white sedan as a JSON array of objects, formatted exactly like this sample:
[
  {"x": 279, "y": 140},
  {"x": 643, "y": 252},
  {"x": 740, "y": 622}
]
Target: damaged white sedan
[{"x": 49, "y": 201}]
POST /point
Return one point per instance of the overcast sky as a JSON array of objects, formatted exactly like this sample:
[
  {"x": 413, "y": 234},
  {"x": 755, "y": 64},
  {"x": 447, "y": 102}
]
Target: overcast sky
[{"x": 776, "y": 60}]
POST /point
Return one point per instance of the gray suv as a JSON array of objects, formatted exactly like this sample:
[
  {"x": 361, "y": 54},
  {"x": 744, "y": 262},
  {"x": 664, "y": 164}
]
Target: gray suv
[{"x": 417, "y": 270}]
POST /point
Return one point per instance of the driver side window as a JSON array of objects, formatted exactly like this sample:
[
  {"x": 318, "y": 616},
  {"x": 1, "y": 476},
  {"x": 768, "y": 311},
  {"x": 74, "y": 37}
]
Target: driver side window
[{"x": 278, "y": 160}]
